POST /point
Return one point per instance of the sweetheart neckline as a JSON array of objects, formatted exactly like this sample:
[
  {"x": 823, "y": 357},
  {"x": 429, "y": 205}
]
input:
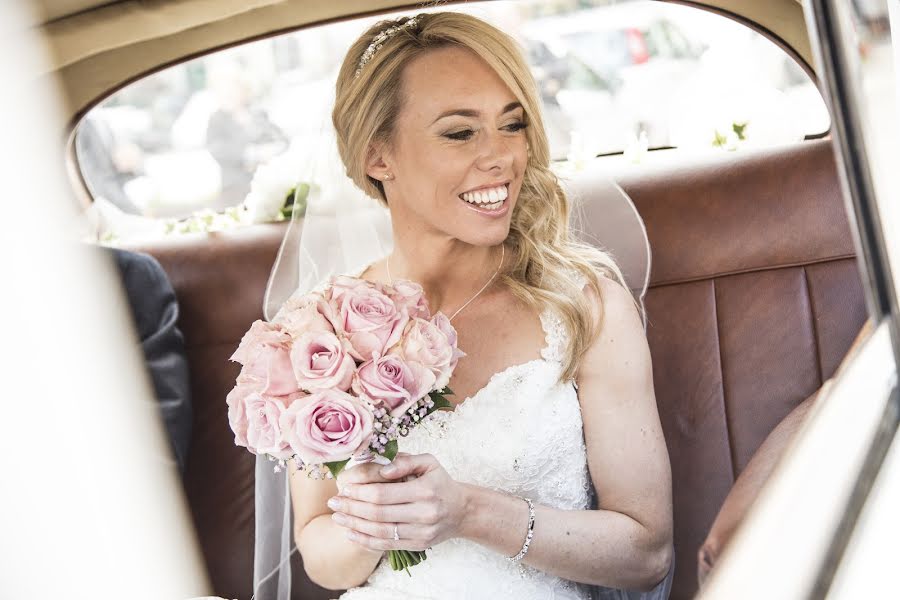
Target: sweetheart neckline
[{"x": 496, "y": 376}]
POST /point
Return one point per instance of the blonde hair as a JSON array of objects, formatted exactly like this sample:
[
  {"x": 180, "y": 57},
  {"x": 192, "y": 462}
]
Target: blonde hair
[{"x": 542, "y": 256}]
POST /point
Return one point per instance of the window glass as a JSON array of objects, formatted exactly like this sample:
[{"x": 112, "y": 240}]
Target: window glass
[{"x": 611, "y": 75}]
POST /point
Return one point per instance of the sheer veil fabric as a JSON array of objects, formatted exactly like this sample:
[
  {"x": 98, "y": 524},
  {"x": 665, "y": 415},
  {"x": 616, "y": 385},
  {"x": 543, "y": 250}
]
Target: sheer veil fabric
[{"x": 342, "y": 231}]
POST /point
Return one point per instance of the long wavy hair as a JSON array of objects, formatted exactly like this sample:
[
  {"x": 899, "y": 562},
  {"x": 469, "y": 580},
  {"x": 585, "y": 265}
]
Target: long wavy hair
[{"x": 544, "y": 255}]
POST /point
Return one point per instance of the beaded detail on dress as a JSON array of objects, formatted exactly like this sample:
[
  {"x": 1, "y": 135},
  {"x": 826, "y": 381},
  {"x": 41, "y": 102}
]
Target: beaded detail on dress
[{"x": 520, "y": 434}]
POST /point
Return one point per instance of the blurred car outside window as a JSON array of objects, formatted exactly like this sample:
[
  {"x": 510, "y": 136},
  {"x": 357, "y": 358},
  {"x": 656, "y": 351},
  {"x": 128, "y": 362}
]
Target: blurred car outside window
[{"x": 178, "y": 150}]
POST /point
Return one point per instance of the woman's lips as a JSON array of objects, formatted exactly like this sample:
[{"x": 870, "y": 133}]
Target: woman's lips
[{"x": 482, "y": 201}]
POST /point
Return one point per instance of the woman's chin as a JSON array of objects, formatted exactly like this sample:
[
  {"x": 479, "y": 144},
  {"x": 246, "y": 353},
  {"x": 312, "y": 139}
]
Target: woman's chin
[{"x": 486, "y": 237}]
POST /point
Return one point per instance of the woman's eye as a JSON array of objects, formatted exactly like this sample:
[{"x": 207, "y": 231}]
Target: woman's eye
[
  {"x": 517, "y": 126},
  {"x": 460, "y": 135}
]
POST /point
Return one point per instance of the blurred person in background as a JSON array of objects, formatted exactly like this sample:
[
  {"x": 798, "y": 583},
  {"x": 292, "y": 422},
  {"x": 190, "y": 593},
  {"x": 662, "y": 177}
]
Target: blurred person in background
[
  {"x": 239, "y": 135},
  {"x": 107, "y": 162}
]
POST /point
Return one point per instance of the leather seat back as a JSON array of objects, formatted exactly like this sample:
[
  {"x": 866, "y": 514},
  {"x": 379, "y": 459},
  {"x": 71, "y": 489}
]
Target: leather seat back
[{"x": 754, "y": 299}]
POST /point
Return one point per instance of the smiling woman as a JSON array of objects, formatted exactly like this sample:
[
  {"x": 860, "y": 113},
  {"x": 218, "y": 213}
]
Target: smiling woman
[{"x": 438, "y": 117}]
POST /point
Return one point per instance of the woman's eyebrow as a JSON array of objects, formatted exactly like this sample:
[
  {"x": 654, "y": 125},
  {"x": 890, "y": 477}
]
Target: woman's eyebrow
[{"x": 469, "y": 112}]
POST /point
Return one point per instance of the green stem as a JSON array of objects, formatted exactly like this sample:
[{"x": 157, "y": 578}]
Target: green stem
[{"x": 392, "y": 558}]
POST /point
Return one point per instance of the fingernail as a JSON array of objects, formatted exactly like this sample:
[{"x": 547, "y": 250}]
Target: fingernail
[
  {"x": 334, "y": 503},
  {"x": 389, "y": 470},
  {"x": 339, "y": 518},
  {"x": 351, "y": 536},
  {"x": 345, "y": 491}
]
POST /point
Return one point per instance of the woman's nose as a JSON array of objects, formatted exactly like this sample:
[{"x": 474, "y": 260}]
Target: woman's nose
[{"x": 494, "y": 152}]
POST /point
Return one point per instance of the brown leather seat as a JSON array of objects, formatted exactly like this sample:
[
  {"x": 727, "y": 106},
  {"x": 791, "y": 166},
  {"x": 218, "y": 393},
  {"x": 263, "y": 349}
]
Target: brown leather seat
[{"x": 754, "y": 299}]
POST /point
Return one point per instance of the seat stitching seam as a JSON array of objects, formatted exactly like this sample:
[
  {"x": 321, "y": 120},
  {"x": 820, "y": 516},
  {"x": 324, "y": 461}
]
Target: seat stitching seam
[
  {"x": 815, "y": 326},
  {"x": 722, "y": 378},
  {"x": 750, "y": 270}
]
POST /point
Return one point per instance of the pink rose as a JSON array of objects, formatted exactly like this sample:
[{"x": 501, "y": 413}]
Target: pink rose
[
  {"x": 410, "y": 295},
  {"x": 394, "y": 382},
  {"x": 424, "y": 343},
  {"x": 254, "y": 417},
  {"x": 441, "y": 321},
  {"x": 365, "y": 316},
  {"x": 264, "y": 435},
  {"x": 304, "y": 314},
  {"x": 320, "y": 362},
  {"x": 340, "y": 285},
  {"x": 264, "y": 353},
  {"x": 237, "y": 411},
  {"x": 327, "y": 426}
]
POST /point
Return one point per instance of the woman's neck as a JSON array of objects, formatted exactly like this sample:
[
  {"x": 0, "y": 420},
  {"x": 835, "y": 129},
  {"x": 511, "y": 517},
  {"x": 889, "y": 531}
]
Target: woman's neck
[{"x": 450, "y": 271}]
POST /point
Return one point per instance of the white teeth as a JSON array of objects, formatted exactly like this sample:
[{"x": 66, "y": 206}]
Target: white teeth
[{"x": 489, "y": 198}]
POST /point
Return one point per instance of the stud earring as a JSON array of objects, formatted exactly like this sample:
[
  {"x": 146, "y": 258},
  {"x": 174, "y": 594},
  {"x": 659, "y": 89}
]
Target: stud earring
[{"x": 388, "y": 176}]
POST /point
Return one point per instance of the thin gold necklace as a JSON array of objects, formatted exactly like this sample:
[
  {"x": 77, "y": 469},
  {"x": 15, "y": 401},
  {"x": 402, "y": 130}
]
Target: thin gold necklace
[{"x": 469, "y": 301}]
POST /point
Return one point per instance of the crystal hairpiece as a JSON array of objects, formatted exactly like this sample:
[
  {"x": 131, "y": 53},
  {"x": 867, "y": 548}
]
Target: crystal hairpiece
[{"x": 380, "y": 39}]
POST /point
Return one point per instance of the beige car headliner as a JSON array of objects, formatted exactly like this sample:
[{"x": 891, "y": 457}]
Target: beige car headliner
[{"x": 97, "y": 46}]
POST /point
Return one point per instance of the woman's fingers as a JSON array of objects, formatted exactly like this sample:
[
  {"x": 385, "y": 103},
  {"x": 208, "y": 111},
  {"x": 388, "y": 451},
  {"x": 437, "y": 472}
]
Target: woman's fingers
[
  {"x": 379, "y": 529},
  {"x": 398, "y": 492},
  {"x": 364, "y": 473},
  {"x": 405, "y": 465},
  {"x": 383, "y": 513},
  {"x": 385, "y": 544}
]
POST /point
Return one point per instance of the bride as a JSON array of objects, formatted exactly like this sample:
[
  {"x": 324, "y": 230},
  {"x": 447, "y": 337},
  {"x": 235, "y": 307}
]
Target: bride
[{"x": 437, "y": 117}]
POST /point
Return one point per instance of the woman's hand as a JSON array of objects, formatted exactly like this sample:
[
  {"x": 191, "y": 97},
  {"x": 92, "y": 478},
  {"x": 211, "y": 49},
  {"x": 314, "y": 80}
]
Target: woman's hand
[{"x": 418, "y": 496}]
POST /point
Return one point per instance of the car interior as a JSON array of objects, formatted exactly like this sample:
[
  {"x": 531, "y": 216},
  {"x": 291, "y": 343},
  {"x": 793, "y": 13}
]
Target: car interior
[{"x": 754, "y": 296}]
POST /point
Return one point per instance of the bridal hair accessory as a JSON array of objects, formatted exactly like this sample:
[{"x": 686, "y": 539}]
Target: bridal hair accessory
[
  {"x": 380, "y": 39},
  {"x": 478, "y": 293},
  {"x": 528, "y": 537}
]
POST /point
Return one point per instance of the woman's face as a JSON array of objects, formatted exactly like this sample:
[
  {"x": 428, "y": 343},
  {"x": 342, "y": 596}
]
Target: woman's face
[{"x": 459, "y": 149}]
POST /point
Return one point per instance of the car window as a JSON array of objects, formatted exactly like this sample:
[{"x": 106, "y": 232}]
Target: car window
[{"x": 188, "y": 140}]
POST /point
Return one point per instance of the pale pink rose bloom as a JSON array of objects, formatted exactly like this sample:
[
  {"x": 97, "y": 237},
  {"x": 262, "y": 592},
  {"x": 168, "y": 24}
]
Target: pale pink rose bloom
[
  {"x": 303, "y": 314},
  {"x": 327, "y": 426},
  {"x": 341, "y": 285},
  {"x": 251, "y": 414},
  {"x": 237, "y": 410},
  {"x": 391, "y": 381},
  {"x": 321, "y": 362},
  {"x": 410, "y": 295},
  {"x": 423, "y": 342},
  {"x": 441, "y": 321},
  {"x": 264, "y": 353},
  {"x": 264, "y": 435},
  {"x": 365, "y": 316}
]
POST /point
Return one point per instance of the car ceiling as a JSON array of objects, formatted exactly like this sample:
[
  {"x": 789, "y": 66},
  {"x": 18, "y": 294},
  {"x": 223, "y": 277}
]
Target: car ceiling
[{"x": 97, "y": 46}]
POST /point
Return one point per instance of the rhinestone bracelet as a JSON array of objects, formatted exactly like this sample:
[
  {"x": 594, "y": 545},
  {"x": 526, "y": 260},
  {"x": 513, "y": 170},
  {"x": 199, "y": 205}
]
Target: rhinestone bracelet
[{"x": 528, "y": 537}]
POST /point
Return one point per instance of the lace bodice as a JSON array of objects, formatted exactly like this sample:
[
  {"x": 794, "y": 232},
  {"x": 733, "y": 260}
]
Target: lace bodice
[{"x": 520, "y": 434}]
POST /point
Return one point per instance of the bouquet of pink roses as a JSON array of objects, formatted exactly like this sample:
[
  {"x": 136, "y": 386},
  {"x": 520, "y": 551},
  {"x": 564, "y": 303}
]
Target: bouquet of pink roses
[{"x": 340, "y": 374}]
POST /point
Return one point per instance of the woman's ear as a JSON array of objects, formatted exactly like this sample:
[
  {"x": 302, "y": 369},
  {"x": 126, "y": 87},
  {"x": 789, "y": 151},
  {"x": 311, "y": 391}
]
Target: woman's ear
[{"x": 377, "y": 163}]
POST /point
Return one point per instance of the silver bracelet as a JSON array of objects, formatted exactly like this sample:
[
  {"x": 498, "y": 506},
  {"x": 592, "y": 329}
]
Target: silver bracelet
[{"x": 528, "y": 537}]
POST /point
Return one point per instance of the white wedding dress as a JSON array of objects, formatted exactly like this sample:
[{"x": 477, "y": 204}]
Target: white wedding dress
[{"x": 520, "y": 434}]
